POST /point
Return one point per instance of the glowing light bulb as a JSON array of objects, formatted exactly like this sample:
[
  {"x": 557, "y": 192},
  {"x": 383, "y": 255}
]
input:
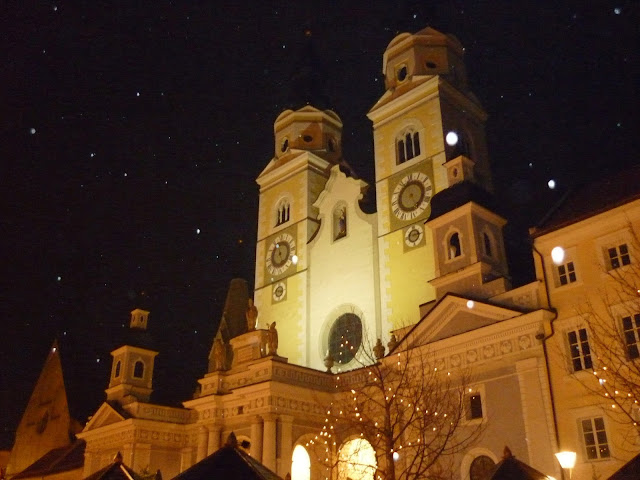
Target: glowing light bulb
[
  {"x": 451, "y": 138},
  {"x": 557, "y": 255}
]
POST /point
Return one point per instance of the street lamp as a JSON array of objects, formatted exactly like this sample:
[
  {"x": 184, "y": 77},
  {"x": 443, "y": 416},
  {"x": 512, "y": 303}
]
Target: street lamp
[{"x": 567, "y": 460}]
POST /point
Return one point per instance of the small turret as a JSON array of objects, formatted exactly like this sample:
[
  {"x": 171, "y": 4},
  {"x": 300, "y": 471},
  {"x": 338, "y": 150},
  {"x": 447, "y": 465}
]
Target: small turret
[{"x": 132, "y": 369}]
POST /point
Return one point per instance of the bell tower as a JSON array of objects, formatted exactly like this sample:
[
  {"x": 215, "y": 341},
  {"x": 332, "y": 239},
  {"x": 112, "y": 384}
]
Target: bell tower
[
  {"x": 426, "y": 118},
  {"x": 307, "y": 145},
  {"x": 132, "y": 367}
]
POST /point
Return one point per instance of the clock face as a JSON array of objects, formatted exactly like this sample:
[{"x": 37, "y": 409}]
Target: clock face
[
  {"x": 413, "y": 236},
  {"x": 280, "y": 254},
  {"x": 279, "y": 291},
  {"x": 411, "y": 196}
]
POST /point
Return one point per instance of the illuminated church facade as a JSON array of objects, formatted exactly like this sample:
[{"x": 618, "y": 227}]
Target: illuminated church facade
[{"x": 429, "y": 266}]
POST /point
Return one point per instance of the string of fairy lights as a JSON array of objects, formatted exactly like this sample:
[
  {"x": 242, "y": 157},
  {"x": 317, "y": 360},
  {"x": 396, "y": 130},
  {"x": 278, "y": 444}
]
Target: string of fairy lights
[{"x": 360, "y": 409}]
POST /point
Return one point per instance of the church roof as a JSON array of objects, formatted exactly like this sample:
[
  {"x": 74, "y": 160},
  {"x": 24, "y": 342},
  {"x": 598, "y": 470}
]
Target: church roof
[
  {"x": 629, "y": 471},
  {"x": 115, "y": 471},
  {"x": 460, "y": 194},
  {"x": 58, "y": 460},
  {"x": 233, "y": 321},
  {"x": 230, "y": 463},
  {"x": 510, "y": 468},
  {"x": 590, "y": 199}
]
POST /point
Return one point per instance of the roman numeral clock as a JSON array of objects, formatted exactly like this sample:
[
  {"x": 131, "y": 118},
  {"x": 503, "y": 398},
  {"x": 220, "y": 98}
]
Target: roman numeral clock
[
  {"x": 411, "y": 196},
  {"x": 280, "y": 254},
  {"x": 410, "y": 201}
]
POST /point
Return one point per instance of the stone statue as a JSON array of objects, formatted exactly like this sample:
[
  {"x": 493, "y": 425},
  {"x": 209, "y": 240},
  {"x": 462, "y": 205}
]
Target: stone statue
[
  {"x": 272, "y": 340},
  {"x": 393, "y": 341},
  {"x": 252, "y": 315},
  {"x": 342, "y": 224},
  {"x": 219, "y": 355},
  {"x": 378, "y": 349},
  {"x": 329, "y": 362}
]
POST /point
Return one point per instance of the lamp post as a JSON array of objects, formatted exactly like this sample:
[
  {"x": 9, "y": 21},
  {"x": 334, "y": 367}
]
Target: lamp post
[{"x": 567, "y": 460}]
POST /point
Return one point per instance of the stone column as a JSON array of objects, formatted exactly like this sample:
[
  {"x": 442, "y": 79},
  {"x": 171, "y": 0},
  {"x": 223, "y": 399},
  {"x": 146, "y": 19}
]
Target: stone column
[
  {"x": 128, "y": 454},
  {"x": 203, "y": 440},
  {"x": 286, "y": 440},
  {"x": 214, "y": 438},
  {"x": 536, "y": 412},
  {"x": 269, "y": 441},
  {"x": 143, "y": 456},
  {"x": 89, "y": 459},
  {"x": 256, "y": 438},
  {"x": 186, "y": 458}
]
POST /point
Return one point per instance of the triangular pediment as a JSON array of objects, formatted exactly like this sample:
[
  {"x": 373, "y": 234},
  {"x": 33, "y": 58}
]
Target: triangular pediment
[
  {"x": 454, "y": 315},
  {"x": 106, "y": 415}
]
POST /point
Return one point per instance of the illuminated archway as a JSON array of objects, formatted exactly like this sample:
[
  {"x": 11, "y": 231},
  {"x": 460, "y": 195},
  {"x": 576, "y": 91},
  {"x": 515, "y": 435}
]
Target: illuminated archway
[
  {"x": 357, "y": 460},
  {"x": 300, "y": 464}
]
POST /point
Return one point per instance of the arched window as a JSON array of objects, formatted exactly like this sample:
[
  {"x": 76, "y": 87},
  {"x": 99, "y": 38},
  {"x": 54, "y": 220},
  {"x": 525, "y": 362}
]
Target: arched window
[
  {"x": 481, "y": 468},
  {"x": 488, "y": 244},
  {"x": 357, "y": 460},
  {"x": 345, "y": 338},
  {"x": 282, "y": 211},
  {"x": 300, "y": 464},
  {"x": 138, "y": 369},
  {"x": 407, "y": 146},
  {"x": 455, "y": 250},
  {"x": 339, "y": 222},
  {"x": 118, "y": 366}
]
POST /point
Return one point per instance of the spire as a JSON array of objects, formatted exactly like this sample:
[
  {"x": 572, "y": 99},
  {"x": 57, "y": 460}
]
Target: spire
[{"x": 46, "y": 423}]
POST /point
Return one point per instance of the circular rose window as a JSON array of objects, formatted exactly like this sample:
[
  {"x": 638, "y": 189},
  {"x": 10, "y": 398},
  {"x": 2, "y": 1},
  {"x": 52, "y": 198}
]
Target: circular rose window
[{"x": 345, "y": 338}]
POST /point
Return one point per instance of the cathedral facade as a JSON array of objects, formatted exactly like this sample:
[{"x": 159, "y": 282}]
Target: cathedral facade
[{"x": 428, "y": 269}]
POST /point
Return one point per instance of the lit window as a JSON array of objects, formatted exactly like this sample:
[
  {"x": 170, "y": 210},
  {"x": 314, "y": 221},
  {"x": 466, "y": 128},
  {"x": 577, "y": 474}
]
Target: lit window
[
  {"x": 566, "y": 273},
  {"x": 631, "y": 330},
  {"x": 138, "y": 369},
  {"x": 407, "y": 146},
  {"x": 618, "y": 256},
  {"x": 595, "y": 438},
  {"x": 282, "y": 212},
  {"x": 300, "y": 464},
  {"x": 357, "y": 460},
  {"x": 117, "y": 372},
  {"x": 454, "y": 246},
  {"x": 579, "y": 350},
  {"x": 481, "y": 468}
]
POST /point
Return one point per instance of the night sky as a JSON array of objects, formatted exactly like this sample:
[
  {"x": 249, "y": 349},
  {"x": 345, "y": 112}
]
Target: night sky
[{"x": 132, "y": 134}]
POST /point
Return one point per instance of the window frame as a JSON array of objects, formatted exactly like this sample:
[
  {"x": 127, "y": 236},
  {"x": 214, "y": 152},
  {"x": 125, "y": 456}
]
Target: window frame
[
  {"x": 619, "y": 258},
  {"x": 447, "y": 244},
  {"x": 135, "y": 365},
  {"x": 407, "y": 144},
  {"x": 585, "y": 359},
  {"x": 594, "y": 432},
  {"x": 284, "y": 202},
  {"x": 634, "y": 318},
  {"x": 473, "y": 391}
]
